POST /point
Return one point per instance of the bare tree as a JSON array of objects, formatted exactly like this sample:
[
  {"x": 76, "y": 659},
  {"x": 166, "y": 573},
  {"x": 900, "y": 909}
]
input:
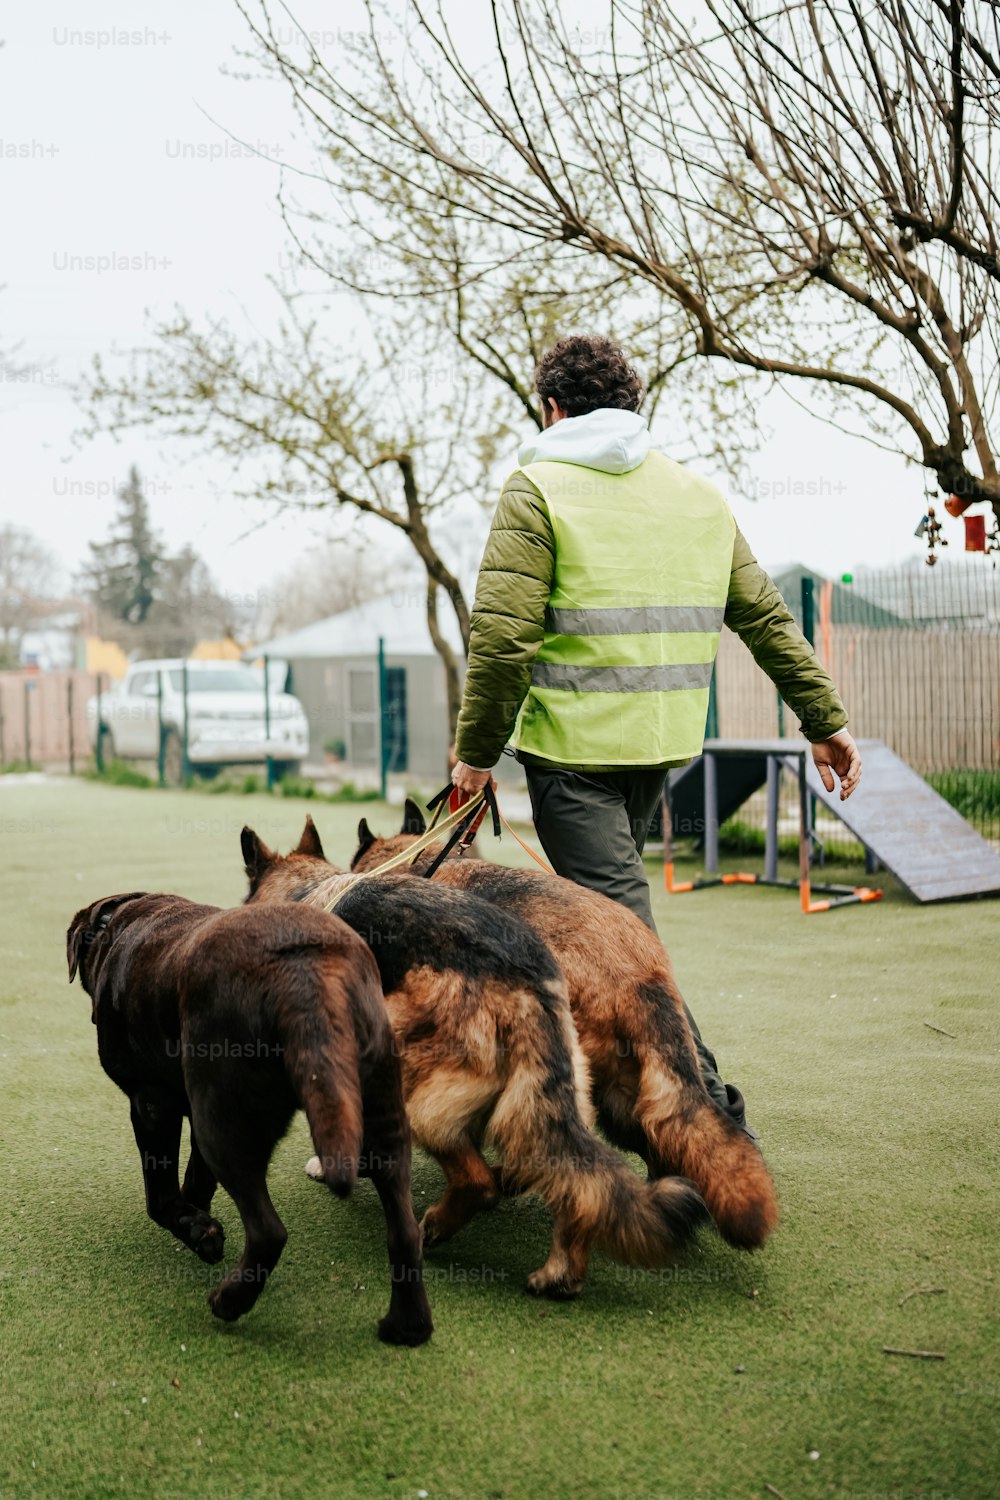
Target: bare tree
[
  {"x": 331, "y": 579},
  {"x": 313, "y": 426},
  {"x": 810, "y": 190},
  {"x": 27, "y": 580}
]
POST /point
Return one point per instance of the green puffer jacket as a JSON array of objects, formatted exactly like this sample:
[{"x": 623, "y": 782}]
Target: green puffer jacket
[{"x": 515, "y": 582}]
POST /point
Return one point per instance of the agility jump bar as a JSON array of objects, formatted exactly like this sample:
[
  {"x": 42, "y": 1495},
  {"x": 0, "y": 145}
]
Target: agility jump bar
[{"x": 834, "y": 895}]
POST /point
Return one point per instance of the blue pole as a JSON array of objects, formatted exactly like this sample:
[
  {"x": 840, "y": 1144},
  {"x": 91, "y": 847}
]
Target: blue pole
[
  {"x": 267, "y": 720},
  {"x": 187, "y": 722},
  {"x": 383, "y": 737},
  {"x": 809, "y": 609},
  {"x": 161, "y": 764}
]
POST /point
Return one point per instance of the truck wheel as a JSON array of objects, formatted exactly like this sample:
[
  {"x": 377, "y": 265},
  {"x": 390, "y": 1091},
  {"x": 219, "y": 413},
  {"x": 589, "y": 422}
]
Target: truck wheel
[
  {"x": 287, "y": 768},
  {"x": 173, "y": 759}
]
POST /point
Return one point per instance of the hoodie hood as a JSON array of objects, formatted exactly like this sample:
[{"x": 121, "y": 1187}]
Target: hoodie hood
[{"x": 608, "y": 439}]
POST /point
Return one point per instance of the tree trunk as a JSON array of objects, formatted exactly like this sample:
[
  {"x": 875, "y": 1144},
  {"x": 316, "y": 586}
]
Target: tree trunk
[{"x": 452, "y": 676}]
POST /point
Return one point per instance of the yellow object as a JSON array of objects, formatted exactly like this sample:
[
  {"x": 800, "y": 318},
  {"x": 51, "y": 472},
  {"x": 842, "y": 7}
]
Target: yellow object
[
  {"x": 642, "y": 568},
  {"x": 224, "y": 650},
  {"x": 105, "y": 656}
]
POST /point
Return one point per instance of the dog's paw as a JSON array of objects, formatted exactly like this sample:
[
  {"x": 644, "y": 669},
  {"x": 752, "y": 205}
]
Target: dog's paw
[
  {"x": 314, "y": 1169},
  {"x": 391, "y": 1331},
  {"x": 557, "y": 1288},
  {"x": 437, "y": 1226},
  {"x": 226, "y": 1302},
  {"x": 204, "y": 1235}
]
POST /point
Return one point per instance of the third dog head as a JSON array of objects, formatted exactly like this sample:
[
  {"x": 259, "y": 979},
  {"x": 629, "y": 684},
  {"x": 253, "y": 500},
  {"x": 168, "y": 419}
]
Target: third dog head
[
  {"x": 86, "y": 937},
  {"x": 286, "y": 876}
]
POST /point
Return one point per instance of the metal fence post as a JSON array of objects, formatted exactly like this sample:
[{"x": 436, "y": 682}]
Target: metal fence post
[
  {"x": 809, "y": 608},
  {"x": 99, "y": 731},
  {"x": 267, "y": 721},
  {"x": 384, "y": 745},
  {"x": 27, "y": 724},
  {"x": 69, "y": 716},
  {"x": 712, "y": 722},
  {"x": 161, "y": 762},
  {"x": 809, "y": 631},
  {"x": 185, "y": 741}
]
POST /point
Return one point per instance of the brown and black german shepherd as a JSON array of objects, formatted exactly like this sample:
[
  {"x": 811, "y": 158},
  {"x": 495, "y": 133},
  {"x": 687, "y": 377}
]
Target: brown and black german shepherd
[
  {"x": 629, "y": 1016},
  {"x": 236, "y": 1019},
  {"x": 482, "y": 1024}
]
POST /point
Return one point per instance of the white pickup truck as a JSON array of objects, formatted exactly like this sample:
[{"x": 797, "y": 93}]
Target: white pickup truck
[{"x": 225, "y": 723}]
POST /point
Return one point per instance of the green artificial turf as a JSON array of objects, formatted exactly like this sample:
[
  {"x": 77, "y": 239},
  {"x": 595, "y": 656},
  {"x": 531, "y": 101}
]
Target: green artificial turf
[{"x": 730, "y": 1376}]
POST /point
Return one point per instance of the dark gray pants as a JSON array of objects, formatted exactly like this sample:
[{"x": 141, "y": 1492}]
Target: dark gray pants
[{"x": 593, "y": 825}]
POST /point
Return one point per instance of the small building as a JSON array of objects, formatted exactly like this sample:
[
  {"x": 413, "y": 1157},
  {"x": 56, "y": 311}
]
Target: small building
[{"x": 333, "y": 669}]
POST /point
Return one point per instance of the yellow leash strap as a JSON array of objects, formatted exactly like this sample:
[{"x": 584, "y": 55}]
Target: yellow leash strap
[
  {"x": 429, "y": 836},
  {"x": 431, "y": 828}
]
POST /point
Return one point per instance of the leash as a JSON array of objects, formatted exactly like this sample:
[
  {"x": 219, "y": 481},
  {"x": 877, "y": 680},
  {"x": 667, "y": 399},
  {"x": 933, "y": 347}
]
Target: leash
[
  {"x": 543, "y": 864},
  {"x": 465, "y": 839},
  {"x": 463, "y": 820},
  {"x": 429, "y": 836},
  {"x": 472, "y": 812}
]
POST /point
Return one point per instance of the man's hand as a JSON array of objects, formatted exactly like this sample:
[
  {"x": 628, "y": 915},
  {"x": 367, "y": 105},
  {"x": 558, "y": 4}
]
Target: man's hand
[
  {"x": 838, "y": 756},
  {"x": 468, "y": 781}
]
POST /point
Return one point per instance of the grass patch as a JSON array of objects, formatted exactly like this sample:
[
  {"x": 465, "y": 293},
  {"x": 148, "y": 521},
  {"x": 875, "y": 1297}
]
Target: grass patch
[
  {"x": 18, "y": 767},
  {"x": 120, "y": 773},
  {"x": 707, "y": 1382}
]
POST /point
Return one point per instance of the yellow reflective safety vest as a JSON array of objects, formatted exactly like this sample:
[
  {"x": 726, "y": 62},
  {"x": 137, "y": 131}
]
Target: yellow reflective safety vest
[{"x": 642, "y": 568}]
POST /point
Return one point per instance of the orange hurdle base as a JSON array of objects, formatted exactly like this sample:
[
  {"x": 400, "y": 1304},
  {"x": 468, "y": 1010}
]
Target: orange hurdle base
[{"x": 837, "y": 895}]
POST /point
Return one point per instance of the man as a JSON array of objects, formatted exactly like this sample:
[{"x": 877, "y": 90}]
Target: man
[{"x": 607, "y": 577}]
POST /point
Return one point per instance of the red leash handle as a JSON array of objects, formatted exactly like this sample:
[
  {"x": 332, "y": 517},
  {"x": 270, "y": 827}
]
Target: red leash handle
[{"x": 455, "y": 801}]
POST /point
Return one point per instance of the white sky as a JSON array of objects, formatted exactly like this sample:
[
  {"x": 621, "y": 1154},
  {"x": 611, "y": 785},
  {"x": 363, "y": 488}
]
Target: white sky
[{"x": 92, "y": 139}]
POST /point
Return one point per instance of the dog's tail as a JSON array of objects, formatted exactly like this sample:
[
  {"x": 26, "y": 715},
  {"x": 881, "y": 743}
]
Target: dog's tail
[
  {"x": 321, "y": 1061},
  {"x": 693, "y": 1137},
  {"x": 540, "y": 1125}
]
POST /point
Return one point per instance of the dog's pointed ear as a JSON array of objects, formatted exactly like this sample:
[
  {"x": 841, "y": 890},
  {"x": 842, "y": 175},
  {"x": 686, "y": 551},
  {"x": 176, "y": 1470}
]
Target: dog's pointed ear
[
  {"x": 413, "y": 818},
  {"x": 365, "y": 837},
  {"x": 256, "y": 855},
  {"x": 309, "y": 843}
]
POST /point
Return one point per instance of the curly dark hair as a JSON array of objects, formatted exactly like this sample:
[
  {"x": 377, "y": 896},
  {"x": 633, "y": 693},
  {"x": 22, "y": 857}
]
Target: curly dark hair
[{"x": 585, "y": 372}]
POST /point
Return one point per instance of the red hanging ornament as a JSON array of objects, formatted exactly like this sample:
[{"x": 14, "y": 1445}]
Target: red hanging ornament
[{"x": 975, "y": 533}]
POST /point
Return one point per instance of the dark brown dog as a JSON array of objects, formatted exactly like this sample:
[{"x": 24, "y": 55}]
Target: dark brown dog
[
  {"x": 482, "y": 1023},
  {"x": 236, "y": 1019},
  {"x": 629, "y": 1016}
]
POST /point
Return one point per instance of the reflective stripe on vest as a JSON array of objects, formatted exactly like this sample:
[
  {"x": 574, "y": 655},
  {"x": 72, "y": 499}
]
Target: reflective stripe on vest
[
  {"x": 638, "y": 620},
  {"x": 642, "y": 568}
]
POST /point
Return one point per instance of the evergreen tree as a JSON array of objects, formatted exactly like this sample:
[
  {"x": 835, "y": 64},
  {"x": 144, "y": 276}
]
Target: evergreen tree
[{"x": 123, "y": 571}]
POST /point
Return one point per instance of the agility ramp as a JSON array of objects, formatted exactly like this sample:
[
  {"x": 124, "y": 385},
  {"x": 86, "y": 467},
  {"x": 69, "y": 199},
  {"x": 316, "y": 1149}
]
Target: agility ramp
[{"x": 901, "y": 821}]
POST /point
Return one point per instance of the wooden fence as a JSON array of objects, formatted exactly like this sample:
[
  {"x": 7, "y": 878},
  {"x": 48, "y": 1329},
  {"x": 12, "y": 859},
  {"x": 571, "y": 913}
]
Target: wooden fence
[
  {"x": 43, "y": 718},
  {"x": 932, "y": 695}
]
